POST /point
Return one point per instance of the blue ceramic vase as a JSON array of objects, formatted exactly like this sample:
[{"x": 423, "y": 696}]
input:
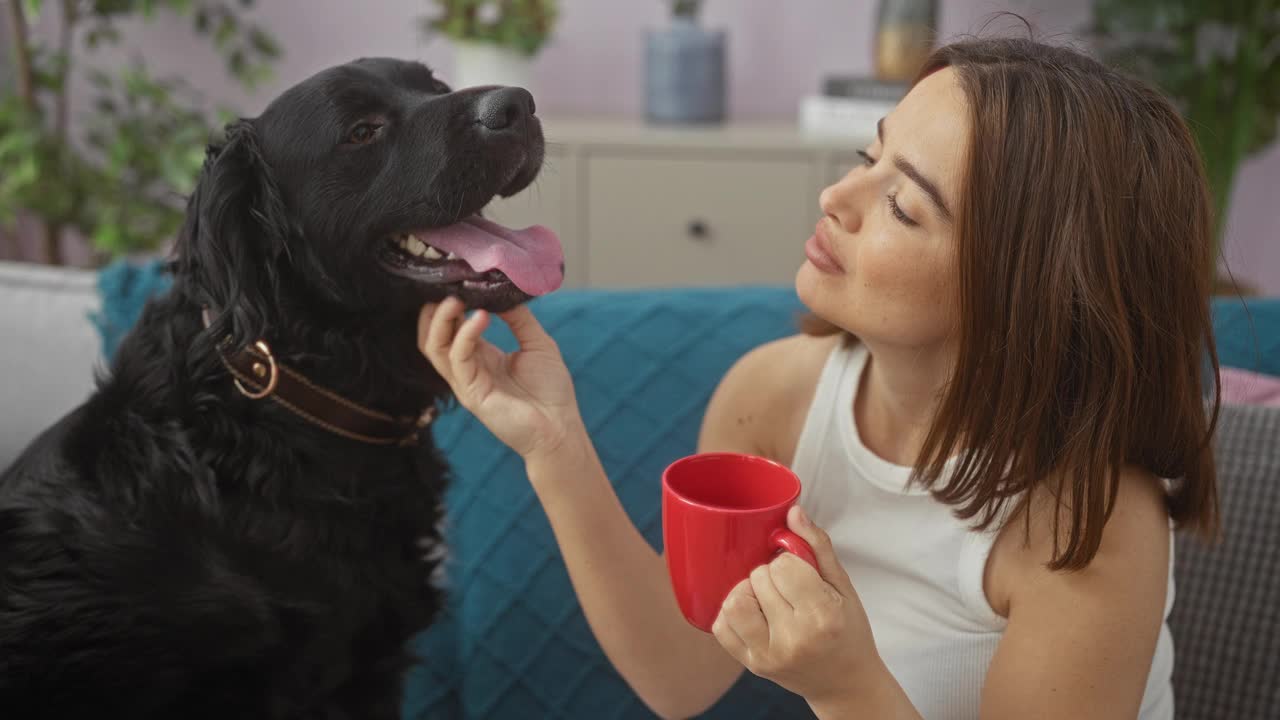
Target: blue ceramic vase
[{"x": 685, "y": 74}]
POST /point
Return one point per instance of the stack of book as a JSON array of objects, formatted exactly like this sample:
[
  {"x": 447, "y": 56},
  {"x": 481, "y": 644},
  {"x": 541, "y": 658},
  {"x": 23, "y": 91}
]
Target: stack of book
[{"x": 849, "y": 105}]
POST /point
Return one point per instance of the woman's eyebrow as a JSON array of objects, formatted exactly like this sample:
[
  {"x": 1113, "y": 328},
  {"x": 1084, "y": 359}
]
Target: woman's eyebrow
[{"x": 928, "y": 186}]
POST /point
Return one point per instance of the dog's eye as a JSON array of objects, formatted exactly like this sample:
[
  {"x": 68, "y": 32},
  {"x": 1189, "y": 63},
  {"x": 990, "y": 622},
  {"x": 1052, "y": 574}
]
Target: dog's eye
[{"x": 363, "y": 133}]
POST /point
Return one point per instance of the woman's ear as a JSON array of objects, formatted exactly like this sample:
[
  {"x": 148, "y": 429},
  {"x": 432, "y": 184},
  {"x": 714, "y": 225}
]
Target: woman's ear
[{"x": 235, "y": 232}]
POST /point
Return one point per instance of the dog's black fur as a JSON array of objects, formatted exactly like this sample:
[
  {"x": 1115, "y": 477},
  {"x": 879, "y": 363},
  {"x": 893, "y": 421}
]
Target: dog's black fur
[{"x": 172, "y": 549}]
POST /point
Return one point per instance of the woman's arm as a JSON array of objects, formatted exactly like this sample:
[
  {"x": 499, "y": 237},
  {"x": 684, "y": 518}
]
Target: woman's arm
[
  {"x": 1080, "y": 644},
  {"x": 625, "y": 593},
  {"x": 622, "y": 584}
]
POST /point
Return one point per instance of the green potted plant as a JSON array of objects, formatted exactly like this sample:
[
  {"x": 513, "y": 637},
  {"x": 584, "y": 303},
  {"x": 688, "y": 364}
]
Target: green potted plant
[
  {"x": 1219, "y": 62},
  {"x": 494, "y": 41},
  {"x": 117, "y": 176}
]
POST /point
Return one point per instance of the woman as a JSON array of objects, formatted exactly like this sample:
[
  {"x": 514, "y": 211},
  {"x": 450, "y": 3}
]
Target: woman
[{"x": 996, "y": 413}]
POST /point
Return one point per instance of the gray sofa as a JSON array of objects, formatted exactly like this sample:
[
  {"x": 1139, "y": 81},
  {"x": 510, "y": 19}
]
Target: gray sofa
[{"x": 1226, "y": 617}]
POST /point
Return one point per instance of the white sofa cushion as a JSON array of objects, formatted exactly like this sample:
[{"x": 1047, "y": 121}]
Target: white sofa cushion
[{"x": 49, "y": 349}]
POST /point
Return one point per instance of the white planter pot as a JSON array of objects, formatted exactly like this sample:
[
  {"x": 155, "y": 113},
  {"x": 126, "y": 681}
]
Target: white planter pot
[{"x": 489, "y": 64}]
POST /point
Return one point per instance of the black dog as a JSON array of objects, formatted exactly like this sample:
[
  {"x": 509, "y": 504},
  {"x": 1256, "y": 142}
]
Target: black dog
[{"x": 176, "y": 548}]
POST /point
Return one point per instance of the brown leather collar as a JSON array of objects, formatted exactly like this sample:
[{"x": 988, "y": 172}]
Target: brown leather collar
[{"x": 258, "y": 375}]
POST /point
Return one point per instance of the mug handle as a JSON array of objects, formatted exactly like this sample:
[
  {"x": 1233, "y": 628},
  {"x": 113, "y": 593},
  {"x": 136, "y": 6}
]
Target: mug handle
[{"x": 786, "y": 540}]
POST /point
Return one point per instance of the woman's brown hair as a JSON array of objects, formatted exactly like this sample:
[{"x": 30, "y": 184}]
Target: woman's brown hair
[{"x": 1084, "y": 237}]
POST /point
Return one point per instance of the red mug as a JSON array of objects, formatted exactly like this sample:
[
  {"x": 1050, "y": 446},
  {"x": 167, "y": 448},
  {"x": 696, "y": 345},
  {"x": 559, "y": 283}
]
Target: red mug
[{"x": 724, "y": 514}]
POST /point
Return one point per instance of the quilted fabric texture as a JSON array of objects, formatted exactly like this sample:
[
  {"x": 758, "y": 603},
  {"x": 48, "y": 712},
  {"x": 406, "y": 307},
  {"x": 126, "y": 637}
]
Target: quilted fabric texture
[
  {"x": 1248, "y": 333},
  {"x": 515, "y": 643},
  {"x": 1226, "y": 614}
]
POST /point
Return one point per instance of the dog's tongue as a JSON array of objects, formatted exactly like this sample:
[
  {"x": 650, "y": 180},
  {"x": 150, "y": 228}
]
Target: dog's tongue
[{"x": 532, "y": 258}]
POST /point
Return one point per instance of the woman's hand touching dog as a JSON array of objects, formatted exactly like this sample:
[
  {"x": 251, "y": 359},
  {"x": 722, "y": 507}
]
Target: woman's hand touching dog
[{"x": 525, "y": 398}]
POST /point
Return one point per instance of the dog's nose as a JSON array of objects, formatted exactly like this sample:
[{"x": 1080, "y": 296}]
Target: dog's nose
[{"x": 504, "y": 108}]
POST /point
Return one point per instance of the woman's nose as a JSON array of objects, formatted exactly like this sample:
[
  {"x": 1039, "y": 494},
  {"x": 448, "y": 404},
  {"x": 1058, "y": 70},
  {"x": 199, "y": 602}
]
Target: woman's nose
[{"x": 841, "y": 201}]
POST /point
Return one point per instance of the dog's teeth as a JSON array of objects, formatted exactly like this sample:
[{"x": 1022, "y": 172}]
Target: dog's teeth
[
  {"x": 415, "y": 246},
  {"x": 451, "y": 256},
  {"x": 432, "y": 253}
]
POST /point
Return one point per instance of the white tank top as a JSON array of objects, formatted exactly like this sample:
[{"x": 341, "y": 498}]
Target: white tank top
[{"x": 917, "y": 568}]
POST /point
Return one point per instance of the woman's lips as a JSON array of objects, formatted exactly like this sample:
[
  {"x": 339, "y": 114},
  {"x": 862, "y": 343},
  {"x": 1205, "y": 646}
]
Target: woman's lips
[{"x": 818, "y": 250}]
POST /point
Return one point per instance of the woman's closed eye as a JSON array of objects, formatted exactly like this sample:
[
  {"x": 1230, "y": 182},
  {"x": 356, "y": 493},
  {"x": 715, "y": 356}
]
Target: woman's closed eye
[
  {"x": 897, "y": 211},
  {"x": 892, "y": 198}
]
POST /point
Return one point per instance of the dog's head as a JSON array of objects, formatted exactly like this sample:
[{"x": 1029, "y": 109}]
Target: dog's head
[{"x": 360, "y": 189}]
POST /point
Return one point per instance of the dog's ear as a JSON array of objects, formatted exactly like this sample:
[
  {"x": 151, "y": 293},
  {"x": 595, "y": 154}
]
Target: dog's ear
[{"x": 235, "y": 231}]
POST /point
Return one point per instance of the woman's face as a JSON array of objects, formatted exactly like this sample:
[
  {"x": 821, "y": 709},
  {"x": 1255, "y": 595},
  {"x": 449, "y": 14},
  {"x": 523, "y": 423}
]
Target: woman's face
[{"x": 882, "y": 262}]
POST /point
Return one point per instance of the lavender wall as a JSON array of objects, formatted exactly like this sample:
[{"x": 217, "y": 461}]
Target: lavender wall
[{"x": 778, "y": 52}]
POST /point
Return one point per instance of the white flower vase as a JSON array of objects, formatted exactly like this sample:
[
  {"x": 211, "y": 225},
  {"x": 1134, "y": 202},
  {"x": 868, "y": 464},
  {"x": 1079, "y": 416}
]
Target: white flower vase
[{"x": 488, "y": 64}]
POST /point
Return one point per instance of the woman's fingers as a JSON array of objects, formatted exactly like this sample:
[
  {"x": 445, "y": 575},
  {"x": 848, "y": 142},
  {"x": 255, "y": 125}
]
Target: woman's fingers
[
  {"x": 442, "y": 326},
  {"x": 774, "y": 605},
  {"x": 527, "y": 330},
  {"x": 741, "y": 623},
  {"x": 427, "y": 312},
  {"x": 463, "y": 357}
]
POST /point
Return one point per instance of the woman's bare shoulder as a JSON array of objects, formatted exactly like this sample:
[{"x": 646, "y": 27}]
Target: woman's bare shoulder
[
  {"x": 1086, "y": 635},
  {"x": 1131, "y": 558},
  {"x": 781, "y": 365},
  {"x": 761, "y": 403}
]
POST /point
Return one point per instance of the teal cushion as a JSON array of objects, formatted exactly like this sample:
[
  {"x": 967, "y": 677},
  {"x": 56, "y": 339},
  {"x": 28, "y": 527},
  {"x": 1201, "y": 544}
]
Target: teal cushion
[
  {"x": 1247, "y": 330},
  {"x": 1248, "y": 333},
  {"x": 125, "y": 287}
]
